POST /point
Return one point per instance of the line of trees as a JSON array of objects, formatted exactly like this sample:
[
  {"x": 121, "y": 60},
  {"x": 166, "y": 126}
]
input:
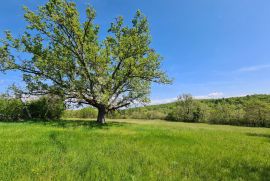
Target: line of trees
[
  {"x": 43, "y": 108},
  {"x": 248, "y": 111}
]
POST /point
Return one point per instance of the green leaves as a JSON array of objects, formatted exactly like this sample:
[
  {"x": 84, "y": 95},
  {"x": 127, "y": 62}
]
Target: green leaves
[{"x": 67, "y": 56}]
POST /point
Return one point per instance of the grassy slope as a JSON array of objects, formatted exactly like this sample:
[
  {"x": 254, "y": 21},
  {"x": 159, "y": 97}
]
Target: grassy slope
[{"x": 133, "y": 150}]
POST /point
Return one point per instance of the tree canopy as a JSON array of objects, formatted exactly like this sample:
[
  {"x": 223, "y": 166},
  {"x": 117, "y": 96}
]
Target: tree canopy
[{"x": 66, "y": 57}]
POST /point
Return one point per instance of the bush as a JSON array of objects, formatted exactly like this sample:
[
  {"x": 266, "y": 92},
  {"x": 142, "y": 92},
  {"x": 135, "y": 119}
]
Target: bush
[
  {"x": 11, "y": 109},
  {"x": 46, "y": 107},
  {"x": 87, "y": 112},
  {"x": 115, "y": 115}
]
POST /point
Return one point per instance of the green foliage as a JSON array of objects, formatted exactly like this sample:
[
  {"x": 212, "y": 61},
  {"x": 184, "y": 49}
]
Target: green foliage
[
  {"x": 46, "y": 107},
  {"x": 82, "y": 113},
  {"x": 257, "y": 113},
  {"x": 188, "y": 110},
  {"x": 249, "y": 111},
  {"x": 225, "y": 113},
  {"x": 69, "y": 60},
  {"x": 132, "y": 150},
  {"x": 11, "y": 109}
]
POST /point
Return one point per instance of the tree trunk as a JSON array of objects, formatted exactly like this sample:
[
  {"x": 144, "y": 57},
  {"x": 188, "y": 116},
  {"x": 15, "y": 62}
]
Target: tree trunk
[{"x": 101, "y": 115}]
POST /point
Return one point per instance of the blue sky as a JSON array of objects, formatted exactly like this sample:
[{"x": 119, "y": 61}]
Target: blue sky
[{"x": 211, "y": 48}]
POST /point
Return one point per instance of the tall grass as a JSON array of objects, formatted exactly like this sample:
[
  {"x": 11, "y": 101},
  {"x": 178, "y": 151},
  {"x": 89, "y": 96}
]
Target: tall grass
[{"x": 132, "y": 150}]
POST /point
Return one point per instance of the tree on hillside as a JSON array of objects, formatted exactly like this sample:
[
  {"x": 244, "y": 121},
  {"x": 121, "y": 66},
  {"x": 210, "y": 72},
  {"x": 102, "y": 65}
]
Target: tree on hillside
[
  {"x": 59, "y": 54},
  {"x": 185, "y": 107}
]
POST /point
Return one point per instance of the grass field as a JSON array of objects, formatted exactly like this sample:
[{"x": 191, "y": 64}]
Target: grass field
[{"x": 132, "y": 150}]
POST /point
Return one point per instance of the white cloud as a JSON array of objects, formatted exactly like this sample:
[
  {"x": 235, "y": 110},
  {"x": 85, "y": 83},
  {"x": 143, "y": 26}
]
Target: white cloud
[
  {"x": 216, "y": 94},
  {"x": 213, "y": 95},
  {"x": 253, "y": 68},
  {"x": 163, "y": 101}
]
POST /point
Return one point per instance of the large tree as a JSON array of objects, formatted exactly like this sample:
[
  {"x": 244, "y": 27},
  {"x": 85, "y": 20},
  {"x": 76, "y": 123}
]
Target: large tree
[{"x": 61, "y": 54}]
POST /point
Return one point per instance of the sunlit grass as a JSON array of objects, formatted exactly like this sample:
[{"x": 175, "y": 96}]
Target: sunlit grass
[{"x": 132, "y": 150}]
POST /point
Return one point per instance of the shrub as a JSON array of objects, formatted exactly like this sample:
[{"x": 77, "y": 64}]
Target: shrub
[
  {"x": 87, "y": 112},
  {"x": 46, "y": 107},
  {"x": 11, "y": 109}
]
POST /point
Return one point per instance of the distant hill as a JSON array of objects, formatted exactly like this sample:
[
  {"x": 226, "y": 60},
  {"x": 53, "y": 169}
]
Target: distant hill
[
  {"x": 162, "y": 110},
  {"x": 231, "y": 100}
]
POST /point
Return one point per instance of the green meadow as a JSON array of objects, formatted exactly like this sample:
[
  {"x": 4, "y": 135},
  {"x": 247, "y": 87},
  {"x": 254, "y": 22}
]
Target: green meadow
[{"x": 132, "y": 150}]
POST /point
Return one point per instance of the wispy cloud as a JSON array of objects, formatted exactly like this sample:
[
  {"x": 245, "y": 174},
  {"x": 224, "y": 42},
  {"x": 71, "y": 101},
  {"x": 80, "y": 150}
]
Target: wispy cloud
[
  {"x": 163, "y": 101},
  {"x": 254, "y": 68},
  {"x": 213, "y": 95}
]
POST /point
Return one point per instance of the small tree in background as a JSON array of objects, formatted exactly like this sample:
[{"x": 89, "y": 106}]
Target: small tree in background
[
  {"x": 67, "y": 58},
  {"x": 185, "y": 107},
  {"x": 189, "y": 110}
]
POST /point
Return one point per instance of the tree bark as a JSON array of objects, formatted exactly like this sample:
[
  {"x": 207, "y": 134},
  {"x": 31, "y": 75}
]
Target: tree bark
[{"x": 101, "y": 115}]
